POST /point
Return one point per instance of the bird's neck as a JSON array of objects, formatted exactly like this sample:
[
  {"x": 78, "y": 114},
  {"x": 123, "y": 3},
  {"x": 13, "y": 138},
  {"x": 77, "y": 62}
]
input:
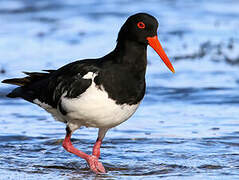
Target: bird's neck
[{"x": 132, "y": 54}]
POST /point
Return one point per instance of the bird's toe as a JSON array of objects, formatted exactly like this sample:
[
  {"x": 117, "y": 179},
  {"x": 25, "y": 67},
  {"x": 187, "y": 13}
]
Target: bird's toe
[{"x": 95, "y": 165}]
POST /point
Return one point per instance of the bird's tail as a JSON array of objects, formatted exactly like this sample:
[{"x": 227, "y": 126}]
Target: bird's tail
[
  {"x": 27, "y": 80},
  {"x": 15, "y": 93},
  {"x": 31, "y": 77},
  {"x": 17, "y": 81}
]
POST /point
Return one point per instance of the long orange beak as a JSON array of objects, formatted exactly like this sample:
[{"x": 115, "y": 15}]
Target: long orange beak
[{"x": 155, "y": 44}]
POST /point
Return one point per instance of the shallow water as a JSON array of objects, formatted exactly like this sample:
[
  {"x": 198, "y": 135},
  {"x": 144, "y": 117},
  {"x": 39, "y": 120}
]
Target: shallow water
[{"x": 187, "y": 125}]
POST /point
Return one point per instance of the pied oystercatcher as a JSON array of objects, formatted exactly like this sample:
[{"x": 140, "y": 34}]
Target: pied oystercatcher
[{"x": 100, "y": 93}]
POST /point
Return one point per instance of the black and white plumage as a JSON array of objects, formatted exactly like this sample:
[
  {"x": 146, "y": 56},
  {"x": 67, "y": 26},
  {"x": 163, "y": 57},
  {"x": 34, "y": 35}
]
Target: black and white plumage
[{"x": 100, "y": 93}]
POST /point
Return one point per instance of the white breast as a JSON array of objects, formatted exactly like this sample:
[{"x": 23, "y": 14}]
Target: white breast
[{"x": 94, "y": 108}]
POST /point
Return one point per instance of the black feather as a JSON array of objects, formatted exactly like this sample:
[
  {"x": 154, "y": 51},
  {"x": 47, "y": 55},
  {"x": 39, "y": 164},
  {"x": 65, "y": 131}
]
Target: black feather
[{"x": 17, "y": 81}]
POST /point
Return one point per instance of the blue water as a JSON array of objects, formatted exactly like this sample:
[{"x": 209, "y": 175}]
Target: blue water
[{"x": 187, "y": 126}]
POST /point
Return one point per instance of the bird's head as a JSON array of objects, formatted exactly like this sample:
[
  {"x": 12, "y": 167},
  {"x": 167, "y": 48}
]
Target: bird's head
[{"x": 142, "y": 28}]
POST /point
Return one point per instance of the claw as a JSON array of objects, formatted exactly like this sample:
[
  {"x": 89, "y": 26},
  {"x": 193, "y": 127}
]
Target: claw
[{"x": 96, "y": 166}]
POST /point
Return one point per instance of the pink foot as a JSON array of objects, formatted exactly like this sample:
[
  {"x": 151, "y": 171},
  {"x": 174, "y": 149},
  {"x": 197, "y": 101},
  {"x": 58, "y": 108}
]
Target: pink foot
[{"x": 95, "y": 165}]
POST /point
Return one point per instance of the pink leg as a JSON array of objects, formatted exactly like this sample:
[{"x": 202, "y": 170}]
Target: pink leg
[
  {"x": 92, "y": 160},
  {"x": 96, "y": 148}
]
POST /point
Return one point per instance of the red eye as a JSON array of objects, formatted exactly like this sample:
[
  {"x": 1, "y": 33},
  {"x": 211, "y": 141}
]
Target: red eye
[{"x": 141, "y": 25}]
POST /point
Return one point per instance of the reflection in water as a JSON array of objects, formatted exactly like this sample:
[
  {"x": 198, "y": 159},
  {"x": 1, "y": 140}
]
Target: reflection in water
[{"x": 187, "y": 125}]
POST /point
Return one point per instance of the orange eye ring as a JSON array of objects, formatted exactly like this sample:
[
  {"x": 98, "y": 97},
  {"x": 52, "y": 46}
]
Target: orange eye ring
[{"x": 141, "y": 25}]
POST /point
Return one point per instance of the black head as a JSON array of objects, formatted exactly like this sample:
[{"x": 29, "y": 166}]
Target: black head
[
  {"x": 138, "y": 27},
  {"x": 142, "y": 29}
]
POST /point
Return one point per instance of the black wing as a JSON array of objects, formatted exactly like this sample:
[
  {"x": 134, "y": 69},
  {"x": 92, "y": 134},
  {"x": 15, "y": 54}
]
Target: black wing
[{"x": 49, "y": 86}]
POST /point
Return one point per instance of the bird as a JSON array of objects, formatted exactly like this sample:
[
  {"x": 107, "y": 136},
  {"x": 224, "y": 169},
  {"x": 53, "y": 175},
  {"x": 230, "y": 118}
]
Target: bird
[{"x": 100, "y": 93}]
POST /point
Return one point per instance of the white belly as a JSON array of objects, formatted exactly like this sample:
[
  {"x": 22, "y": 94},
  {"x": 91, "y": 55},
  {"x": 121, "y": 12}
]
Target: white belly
[{"x": 94, "y": 108}]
